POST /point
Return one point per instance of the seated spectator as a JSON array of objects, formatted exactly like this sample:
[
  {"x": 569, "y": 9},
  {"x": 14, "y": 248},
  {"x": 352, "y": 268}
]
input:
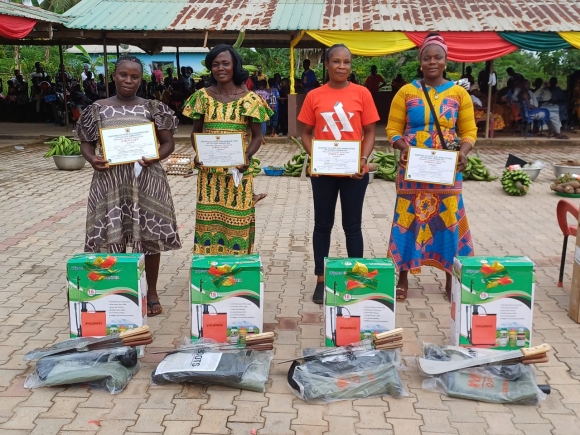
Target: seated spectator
[
  {"x": 559, "y": 98},
  {"x": 517, "y": 77},
  {"x": 479, "y": 109},
  {"x": 352, "y": 78},
  {"x": 523, "y": 93}
]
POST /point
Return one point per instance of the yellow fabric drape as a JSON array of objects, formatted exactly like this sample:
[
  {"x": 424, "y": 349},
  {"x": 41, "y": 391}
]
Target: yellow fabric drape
[
  {"x": 572, "y": 38},
  {"x": 365, "y": 43},
  {"x": 292, "y": 45}
]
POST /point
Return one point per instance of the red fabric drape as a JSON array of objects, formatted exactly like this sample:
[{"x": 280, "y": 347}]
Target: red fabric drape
[
  {"x": 470, "y": 46},
  {"x": 15, "y": 27}
]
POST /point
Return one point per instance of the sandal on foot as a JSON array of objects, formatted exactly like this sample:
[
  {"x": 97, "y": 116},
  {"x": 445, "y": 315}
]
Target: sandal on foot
[
  {"x": 259, "y": 197},
  {"x": 401, "y": 294},
  {"x": 318, "y": 296},
  {"x": 150, "y": 311}
]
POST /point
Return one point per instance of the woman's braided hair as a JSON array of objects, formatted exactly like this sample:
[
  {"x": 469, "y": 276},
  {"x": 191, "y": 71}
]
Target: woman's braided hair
[{"x": 128, "y": 58}]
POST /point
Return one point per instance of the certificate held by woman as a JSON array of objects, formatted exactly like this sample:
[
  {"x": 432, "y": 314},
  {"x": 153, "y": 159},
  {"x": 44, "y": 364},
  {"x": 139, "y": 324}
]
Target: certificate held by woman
[
  {"x": 220, "y": 150},
  {"x": 335, "y": 157}
]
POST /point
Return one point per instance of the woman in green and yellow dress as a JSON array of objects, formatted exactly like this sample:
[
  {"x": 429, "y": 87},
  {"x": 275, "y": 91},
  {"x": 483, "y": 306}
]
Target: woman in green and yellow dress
[{"x": 225, "y": 215}]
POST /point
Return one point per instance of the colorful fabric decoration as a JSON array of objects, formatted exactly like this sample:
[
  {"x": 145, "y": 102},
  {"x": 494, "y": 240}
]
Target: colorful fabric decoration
[
  {"x": 461, "y": 45},
  {"x": 15, "y": 27},
  {"x": 535, "y": 41}
]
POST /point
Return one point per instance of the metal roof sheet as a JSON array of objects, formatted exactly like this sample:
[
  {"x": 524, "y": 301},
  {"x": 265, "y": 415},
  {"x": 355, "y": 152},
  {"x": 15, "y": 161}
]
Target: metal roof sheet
[
  {"x": 368, "y": 15},
  {"x": 23, "y": 11}
]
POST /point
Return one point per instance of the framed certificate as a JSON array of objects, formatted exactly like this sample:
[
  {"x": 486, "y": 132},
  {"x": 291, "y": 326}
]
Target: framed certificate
[
  {"x": 129, "y": 143},
  {"x": 335, "y": 157},
  {"x": 427, "y": 165},
  {"x": 220, "y": 150}
]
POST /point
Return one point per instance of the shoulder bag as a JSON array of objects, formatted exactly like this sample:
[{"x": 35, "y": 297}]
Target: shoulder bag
[{"x": 454, "y": 146}]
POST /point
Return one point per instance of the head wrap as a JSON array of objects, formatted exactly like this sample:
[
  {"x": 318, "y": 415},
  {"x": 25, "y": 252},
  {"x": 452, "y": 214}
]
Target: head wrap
[{"x": 433, "y": 40}]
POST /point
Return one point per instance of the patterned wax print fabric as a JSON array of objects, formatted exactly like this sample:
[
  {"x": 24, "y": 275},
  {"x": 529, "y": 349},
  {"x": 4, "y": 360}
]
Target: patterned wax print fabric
[
  {"x": 430, "y": 225},
  {"x": 225, "y": 217},
  {"x": 124, "y": 210}
]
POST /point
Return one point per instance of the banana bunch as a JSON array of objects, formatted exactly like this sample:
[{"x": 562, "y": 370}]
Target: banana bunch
[
  {"x": 254, "y": 167},
  {"x": 293, "y": 168},
  {"x": 515, "y": 183},
  {"x": 387, "y": 165},
  {"x": 63, "y": 146},
  {"x": 476, "y": 170}
]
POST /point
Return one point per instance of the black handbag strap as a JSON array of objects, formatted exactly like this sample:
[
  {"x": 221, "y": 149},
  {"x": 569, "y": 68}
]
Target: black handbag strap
[{"x": 435, "y": 117}]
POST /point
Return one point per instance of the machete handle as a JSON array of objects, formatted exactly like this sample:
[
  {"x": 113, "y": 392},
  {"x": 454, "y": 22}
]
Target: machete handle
[
  {"x": 136, "y": 331},
  {"x": 396, "y": 331},
  {"x": 536, "y": 350},
  {"x": 262, "y": 336}
]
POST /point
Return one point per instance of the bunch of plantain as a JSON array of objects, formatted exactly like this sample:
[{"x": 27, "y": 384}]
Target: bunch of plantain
[
  {"x": 387, "y": 165},
  {"x": 476, "y": 170},
  {"x": 515, "y": 183},
  {"x": 63, "y": 146},
  {"x": 293, "y": 168}
]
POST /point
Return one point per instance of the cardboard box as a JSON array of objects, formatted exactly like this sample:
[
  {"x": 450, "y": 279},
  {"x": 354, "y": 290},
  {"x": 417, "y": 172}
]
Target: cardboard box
[
  {"x": 574, "y": 307},
  {"x": 359, "y": 299},
  {"x": 107, "y": 294},
  {"x": 492, "y": 302},
  {"x": 226, "y": 297}
]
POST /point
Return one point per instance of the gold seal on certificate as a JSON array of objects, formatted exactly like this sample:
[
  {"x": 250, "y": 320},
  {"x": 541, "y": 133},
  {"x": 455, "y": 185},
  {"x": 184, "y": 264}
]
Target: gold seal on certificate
[
  {"x": 129, "y": 143},
  {"x": 426, "y": 165},
  {"x": 335, "y": 157},
  {"x": 220, "y": 150}
]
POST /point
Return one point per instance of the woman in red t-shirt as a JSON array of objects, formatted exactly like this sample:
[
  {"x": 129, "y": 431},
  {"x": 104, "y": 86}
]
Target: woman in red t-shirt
[{"x": 338, "y": 110}]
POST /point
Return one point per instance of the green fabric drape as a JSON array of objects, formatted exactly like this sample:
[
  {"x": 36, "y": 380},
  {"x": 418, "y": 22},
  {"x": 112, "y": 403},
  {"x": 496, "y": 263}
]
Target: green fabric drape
[{"x": 535, "y": 41}]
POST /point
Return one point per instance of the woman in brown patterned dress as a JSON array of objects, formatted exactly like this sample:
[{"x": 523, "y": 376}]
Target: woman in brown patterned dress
[{"x": 126, "y": 207}]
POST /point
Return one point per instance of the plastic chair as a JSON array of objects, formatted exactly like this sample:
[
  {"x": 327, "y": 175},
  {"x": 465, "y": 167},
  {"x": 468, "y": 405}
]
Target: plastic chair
[
  {"x": 562, "y": 209},
  {"x": 528, "y": 116}
]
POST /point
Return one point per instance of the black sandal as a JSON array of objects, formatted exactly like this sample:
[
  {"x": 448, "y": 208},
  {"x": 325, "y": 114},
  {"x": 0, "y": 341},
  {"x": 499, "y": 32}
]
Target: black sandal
[
  {"x": 150, "y": 312},
  {"x": 318, "y": 296}
]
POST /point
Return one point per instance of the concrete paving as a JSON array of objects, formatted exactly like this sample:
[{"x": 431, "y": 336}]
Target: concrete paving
[{"x": 42, "y": 218}]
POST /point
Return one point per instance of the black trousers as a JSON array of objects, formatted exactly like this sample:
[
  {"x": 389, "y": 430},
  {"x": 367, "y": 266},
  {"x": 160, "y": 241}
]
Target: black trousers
[{"x": 325, "y": 191}]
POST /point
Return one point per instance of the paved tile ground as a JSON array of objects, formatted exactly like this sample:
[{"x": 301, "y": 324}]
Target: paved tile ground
[{"x": 42, "y": 223}]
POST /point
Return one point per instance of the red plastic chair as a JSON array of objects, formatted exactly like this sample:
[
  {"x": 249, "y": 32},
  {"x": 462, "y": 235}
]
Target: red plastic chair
[{"x": 562, "y": 209}]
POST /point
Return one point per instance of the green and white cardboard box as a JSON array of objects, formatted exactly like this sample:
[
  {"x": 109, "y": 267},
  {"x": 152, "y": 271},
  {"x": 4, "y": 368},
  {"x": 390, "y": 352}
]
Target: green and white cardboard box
[
  {"x": 226, "y": 297},
  {"x": 492, "y": 300},
  {"x": 107, "y": 294},
  {"x": 359, "y": 299}
]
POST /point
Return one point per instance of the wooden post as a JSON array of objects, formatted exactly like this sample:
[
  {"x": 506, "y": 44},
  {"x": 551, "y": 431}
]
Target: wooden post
[
  {"x": 106, "y": 62},
  {"x": 117, "y": 51},
  {"x": 324, "y": 66},
  {"x": 177, "y": 62},
  {"x": 489, "y": 88},
  {"x": 63, "y": 79}
]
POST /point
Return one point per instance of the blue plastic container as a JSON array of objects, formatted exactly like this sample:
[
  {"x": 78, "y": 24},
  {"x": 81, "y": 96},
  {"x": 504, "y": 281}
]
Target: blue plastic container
[{"x": 273, "y": 171}]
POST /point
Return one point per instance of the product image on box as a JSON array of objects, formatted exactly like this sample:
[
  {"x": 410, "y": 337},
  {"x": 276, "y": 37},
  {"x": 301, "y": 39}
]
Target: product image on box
[
  {"x": 359, "y": 301},
  {"x": 492, "y": 302},
  {"x": 210, "y": 323},
  {"x": 226, "y": 297},
  {"x": 89, "y": 323},
  {"x": 106, "y": 294}
]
